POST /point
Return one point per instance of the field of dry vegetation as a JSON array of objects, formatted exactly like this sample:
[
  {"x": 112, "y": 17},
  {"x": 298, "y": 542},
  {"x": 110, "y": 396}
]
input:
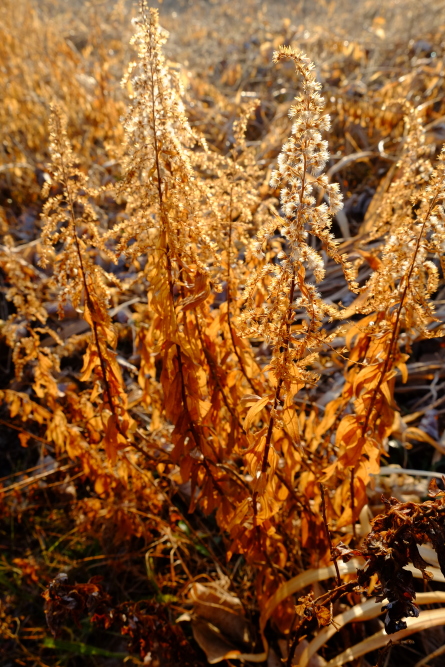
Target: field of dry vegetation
[{"x": 222, "y": 379}]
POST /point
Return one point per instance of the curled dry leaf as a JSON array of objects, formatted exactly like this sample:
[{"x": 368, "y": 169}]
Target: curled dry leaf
[{"x": 219, "y": 625}]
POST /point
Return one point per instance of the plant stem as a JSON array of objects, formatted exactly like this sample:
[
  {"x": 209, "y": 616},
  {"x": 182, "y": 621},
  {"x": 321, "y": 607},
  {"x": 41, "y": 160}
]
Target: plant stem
[{"x": 328, "y": 534}]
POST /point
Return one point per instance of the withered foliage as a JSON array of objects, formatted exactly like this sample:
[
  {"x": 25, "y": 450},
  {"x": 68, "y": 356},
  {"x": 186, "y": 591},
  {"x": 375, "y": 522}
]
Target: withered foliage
[
  {"x": 149, "y": 631},
  {"x": 391, "y": 545},
  {"x": 220, "y": 331}
]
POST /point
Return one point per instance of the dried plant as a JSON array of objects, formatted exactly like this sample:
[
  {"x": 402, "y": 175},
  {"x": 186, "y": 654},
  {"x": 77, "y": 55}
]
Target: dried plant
[
  {"x": 81, "y": 279},
  {"x": 199, "y": 380}
]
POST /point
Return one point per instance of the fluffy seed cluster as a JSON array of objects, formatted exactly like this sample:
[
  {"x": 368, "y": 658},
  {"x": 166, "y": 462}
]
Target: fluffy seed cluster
[
  {"x": 412, "y": 219},
  {"x": 72, "y": 223},
  {"x": 289, "y": 294},
  {"x": 162, "y": 192}
]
